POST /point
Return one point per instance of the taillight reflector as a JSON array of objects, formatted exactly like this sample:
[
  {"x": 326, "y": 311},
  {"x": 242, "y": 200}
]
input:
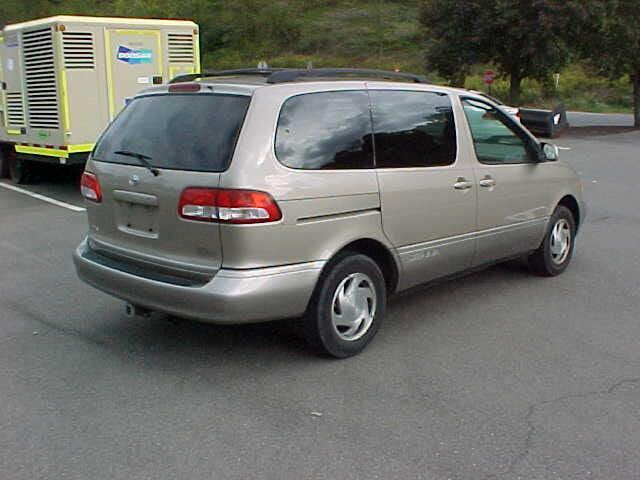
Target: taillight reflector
[
  {"x": 228, "y": 206},
  {"x": 90, "y": 187}
]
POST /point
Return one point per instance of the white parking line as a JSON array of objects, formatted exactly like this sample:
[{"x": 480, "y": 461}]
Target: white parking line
[{"x": 52, "y": 201}]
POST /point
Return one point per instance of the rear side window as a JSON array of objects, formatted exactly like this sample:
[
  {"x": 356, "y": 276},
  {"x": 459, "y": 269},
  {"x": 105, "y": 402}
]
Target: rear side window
[
  {"x": 179, "y": 132},
  {"x": 413, "y": 129},
  {"x": 327, "y": 130}
]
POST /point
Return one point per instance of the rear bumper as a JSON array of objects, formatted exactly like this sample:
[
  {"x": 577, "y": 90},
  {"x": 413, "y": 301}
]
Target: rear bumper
[{"x": 231, "y": 296}]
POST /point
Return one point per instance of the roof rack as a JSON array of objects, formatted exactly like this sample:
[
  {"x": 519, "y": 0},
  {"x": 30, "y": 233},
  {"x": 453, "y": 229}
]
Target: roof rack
[
  {"x": 290, "y": 75},
  {"x": 284, "y": 75},
  {"x": 189, "y": 77}
]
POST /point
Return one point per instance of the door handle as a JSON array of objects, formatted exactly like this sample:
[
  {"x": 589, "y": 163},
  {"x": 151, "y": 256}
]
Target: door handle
[
  {"x": 462, "y": 184},
  {"x": 487, "y": 182}
]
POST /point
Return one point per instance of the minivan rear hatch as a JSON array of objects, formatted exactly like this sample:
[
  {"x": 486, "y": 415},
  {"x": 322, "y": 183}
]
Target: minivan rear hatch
[{"x": 160, "y": 145}]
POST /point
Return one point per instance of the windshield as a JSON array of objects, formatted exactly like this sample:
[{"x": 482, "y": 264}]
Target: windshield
[{"x": 179, "y": 132}]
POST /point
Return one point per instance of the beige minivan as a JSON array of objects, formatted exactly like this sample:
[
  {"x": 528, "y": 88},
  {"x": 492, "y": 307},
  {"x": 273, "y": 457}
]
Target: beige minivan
[{"x": 252, "y": 195}]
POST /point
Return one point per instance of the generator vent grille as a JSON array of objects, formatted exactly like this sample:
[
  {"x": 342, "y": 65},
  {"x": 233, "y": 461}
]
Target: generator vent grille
[
  {"x": 78, "y": 50},
  {"x": 181, "y": 48},
  {"x": 40, "y": 78},
  {"x": 15, "y": 110}
]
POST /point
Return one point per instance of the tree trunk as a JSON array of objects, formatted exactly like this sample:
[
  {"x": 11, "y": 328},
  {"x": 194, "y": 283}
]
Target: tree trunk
[
  {"x": 636, "y": 99},
  {"x": 514, "y": 89},
  {"x": 457, "y": 80}
]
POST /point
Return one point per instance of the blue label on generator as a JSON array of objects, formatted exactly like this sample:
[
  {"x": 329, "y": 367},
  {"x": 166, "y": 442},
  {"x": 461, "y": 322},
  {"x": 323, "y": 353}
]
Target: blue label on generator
[{"x": 134, "y": 56}]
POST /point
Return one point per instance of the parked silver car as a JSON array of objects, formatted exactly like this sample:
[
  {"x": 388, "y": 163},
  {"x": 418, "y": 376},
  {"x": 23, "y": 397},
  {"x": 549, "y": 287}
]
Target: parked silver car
[
  {"x": 255, "y": 195},
  {"x": 508, "y": 109}
]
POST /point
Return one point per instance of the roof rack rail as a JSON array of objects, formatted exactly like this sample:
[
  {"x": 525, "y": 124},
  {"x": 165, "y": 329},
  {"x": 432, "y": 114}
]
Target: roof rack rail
[
  {"x": 284, "y": 75},
  {"x": 189, "y": 77},
  {"x": 291, "y": 74}
]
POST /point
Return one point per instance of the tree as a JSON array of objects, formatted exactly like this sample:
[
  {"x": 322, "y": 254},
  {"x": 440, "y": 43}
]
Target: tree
[
  {"x": 613, "y": 43},
  {"x": 453, "y": 35},
  {"x": 524, "y": 39},
  {"x": 13, "y": 12}
]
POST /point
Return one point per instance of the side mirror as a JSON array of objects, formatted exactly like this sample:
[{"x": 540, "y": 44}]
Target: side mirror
[{"x": 548, "y": 152}]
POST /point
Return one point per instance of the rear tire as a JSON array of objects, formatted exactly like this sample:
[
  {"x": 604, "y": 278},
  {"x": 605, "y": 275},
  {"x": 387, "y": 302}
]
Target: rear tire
[
  {"x": 4, "y": 161},
  {"x": 554, "y": 254},
  {"x": 19, "y": 170},
  {"x": 347, "y": 307}
]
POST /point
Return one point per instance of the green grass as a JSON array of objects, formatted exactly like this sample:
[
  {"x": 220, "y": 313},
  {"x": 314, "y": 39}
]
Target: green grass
[{"x": 579, "y": 88}]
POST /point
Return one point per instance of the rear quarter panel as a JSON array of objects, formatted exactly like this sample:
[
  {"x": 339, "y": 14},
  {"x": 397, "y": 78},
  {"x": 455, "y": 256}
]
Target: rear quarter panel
[{"x": 322, "y": 210}]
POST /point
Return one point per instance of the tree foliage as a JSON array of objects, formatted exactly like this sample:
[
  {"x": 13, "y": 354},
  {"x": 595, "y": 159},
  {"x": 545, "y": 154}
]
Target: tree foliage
[
  {"x": 524, "y": 39},
  {"x": 454, "y": 37},
  {"x": 612, "y": 42}
]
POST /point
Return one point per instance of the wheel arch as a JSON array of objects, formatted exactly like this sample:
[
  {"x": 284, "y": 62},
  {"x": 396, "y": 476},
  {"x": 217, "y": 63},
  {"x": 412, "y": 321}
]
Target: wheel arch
[
  {"x": 570, "y": 202},
  {"x": 378, "y": 252}
]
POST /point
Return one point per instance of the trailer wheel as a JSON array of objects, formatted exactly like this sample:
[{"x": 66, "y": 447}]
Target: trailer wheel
[
  {"x": 4, "y": 162},
  {"x": 19, "y": 170}
]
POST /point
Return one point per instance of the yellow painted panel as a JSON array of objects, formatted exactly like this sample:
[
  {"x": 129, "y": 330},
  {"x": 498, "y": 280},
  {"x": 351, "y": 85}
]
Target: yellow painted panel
[
  {"x": 196, "y": 69},
  {"x": 47, "y": 152},
  {"x": 65, "y": 100},
  {"x": 107, "y": 57},
  {"x": 62, "y": 82},
  {"x": 160, "y": 54},
  {"x": 87, "y": 147}
]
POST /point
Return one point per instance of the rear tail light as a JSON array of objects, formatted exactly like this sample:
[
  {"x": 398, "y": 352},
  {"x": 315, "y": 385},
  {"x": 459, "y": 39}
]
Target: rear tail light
[
  {"x": 90, "y": 187},
  {"x": 228, "y": 206}
]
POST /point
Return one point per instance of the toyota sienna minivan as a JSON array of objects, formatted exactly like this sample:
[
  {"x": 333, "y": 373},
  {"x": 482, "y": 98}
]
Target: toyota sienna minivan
[{"x": 252, "y": 195}]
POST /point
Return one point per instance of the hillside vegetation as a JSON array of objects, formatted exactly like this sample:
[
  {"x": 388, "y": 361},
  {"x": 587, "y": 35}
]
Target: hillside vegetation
[{"x": 342, "y": 33}]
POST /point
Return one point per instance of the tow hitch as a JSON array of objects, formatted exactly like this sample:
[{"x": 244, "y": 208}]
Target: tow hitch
[{"x": 136, "y": 311}]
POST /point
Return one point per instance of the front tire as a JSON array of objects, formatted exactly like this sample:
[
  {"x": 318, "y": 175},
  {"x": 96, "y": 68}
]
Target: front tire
[
  {"x": 347, "y": 307},
  {"x": 554, "y": 254}
]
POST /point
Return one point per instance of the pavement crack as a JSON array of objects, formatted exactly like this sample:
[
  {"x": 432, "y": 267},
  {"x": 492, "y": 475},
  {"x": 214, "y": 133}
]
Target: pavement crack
[
  {"x": 531, "y": 427},
  {"x": 64, "y": 330}
]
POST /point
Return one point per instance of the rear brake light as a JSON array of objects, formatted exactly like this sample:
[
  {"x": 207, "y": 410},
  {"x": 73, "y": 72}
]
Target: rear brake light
[
  {"x": 228, "y": 206},
  {"x": 90, "y": 187},
  {"x": 184, "y": 88}
]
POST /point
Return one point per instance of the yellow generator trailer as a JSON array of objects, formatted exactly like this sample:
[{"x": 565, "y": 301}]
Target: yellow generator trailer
[{"x": 65, "y": 78}]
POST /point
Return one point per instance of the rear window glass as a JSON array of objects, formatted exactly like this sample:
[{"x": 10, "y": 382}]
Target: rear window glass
[
  {"x": 327, "y": 130},
  {"x": 179, "y": 132},
  {"x": 413, "y": 129}
]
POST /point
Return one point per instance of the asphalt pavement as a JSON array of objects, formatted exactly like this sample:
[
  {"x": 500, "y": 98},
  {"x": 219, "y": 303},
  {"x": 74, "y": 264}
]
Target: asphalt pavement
[
  {"x": 587, "y": 119},
  {"x": 497, "y": 375}
]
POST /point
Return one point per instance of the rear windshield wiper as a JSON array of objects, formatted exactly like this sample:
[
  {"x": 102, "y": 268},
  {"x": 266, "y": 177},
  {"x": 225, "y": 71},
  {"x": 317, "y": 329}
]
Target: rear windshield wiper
[{"x": 143, "y": 159}]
